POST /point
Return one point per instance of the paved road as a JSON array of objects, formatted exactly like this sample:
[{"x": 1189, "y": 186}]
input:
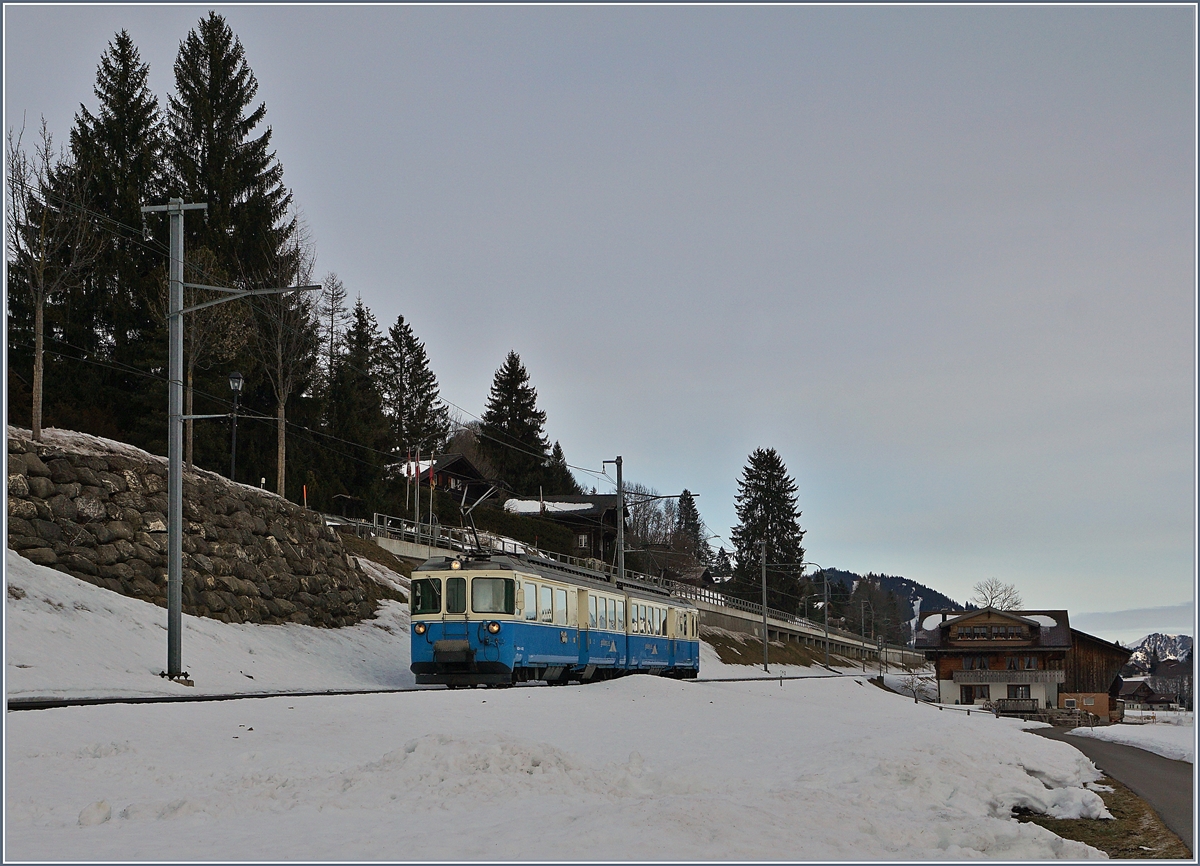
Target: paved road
[{"x": 1165, "y": 784}]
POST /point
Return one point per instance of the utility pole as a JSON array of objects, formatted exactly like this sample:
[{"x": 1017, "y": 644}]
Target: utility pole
[
  {"x": 620, "y": 519},
  {"x": 826, "y": 578},
  {"x": 174, "y": 208},
  {"x": 763, "y": 545}
]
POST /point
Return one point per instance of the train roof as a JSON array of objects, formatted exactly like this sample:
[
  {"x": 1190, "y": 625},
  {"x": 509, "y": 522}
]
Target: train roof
[{"x": 551, "y": 570}]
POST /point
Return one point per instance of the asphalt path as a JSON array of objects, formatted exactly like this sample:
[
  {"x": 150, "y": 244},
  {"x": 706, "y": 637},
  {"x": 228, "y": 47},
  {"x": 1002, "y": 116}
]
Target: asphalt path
[{"x": 1165, "y": 784}]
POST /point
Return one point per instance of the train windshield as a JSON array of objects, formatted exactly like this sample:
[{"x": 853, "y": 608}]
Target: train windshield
[
  {"x": 493, "y": 595},
  {"x": 427, "y": 595}
]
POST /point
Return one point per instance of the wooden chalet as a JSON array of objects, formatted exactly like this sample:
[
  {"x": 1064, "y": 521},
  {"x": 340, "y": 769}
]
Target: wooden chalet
[
  {"x": 453, "y": 473},
  {"x": 1021, "y": 661},
  {"x": 591, "y": 519}
]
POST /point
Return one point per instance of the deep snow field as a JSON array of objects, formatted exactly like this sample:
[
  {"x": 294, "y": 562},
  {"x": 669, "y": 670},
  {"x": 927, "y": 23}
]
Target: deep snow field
[
  {"x": 1172, "y": 735},
  {"x": 636, "y": 769}
]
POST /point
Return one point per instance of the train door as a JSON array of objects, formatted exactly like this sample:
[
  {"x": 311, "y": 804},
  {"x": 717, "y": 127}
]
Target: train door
[
  {"x": 672, "y": 631},
  {"x": 585, "y": 624},
  {"x": 454, "y": 620}
]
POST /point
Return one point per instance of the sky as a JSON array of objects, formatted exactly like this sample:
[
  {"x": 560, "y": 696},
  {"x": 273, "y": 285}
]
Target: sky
[{"x": 942, "y": 259}]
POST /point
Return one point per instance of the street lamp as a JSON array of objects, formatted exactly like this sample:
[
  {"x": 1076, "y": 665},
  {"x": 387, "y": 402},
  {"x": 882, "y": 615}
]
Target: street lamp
[{"x": 235, "y": 385}]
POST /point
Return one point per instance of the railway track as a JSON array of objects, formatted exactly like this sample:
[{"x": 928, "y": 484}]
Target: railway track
[{"x": 19, "y": 704}]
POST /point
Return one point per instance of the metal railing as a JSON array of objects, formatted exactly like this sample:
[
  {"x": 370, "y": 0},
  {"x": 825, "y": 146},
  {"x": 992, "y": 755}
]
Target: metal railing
[{"x": 461, "y": 540}]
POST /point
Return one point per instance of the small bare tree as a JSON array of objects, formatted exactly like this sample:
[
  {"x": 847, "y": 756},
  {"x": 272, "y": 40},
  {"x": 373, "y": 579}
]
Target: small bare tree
[
  {"x": 995, "y": 593},
  {"x": 51, "y": 240},
  {"x": 285, "y": 338}
]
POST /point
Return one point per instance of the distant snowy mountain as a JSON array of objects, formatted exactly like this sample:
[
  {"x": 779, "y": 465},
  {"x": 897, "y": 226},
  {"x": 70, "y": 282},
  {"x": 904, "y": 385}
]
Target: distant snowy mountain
[{"x": 1167, "y": 646}]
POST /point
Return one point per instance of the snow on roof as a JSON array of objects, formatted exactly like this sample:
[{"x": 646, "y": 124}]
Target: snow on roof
[
  {"x": 533, "y": 506},
  {"x": 1042, "y": 619}
]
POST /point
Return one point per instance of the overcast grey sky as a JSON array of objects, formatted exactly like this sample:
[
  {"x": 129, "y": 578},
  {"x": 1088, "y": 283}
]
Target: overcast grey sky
[{"x": 940, "y": 258}]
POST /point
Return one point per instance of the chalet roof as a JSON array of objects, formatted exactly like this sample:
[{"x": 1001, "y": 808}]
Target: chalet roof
[
  {"x": 1052, "y": 636},
  {"x": 457, "y": 465},
  {"x": 590, "y": 508},
  {"x": 1132, "y": 687}
]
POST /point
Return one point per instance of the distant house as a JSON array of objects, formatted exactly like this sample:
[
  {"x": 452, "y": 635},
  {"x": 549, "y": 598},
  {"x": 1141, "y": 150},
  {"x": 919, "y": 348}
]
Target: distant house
[
  {"x": 591, "y": 519},
  {"x": 448, "y": 472},
  {"x": 1136, "y": 694},
  {"x": 1020, "y": 660}
]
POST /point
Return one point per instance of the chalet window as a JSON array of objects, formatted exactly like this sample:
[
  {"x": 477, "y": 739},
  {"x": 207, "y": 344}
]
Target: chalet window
[
  {"x": 1070, "y": 703},
  {"x": 1012, "y": 663},
  {"x": 1089, "y": 702},
  {"x": 581, "y": 541},
  {"x": 1030, "y": 663},
  {"x": 1018, "y": 692},
  {"x": 975, "y": 663},
  {"x": 1014, "y": 631}
]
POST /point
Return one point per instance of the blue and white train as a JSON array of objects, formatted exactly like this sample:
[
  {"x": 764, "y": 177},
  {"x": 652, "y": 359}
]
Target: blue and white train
[{"x": 496, "y": 620}]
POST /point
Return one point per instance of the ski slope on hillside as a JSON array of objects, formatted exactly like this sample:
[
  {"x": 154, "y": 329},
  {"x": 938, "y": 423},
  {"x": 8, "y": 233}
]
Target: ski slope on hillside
[{"x": 635, "y": 769}]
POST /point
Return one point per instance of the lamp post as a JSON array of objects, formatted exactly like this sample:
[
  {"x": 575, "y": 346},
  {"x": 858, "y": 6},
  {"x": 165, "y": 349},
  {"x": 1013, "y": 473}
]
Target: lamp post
[
  {"x": 235, "y": 385},
  {"x": 862, "y": 626}
]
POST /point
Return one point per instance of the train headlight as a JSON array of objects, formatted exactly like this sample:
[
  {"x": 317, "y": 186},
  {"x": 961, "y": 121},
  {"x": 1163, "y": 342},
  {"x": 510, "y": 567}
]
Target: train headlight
[
  {"x": 493, "y": 627},
  {"x": 420, "y": 628}
]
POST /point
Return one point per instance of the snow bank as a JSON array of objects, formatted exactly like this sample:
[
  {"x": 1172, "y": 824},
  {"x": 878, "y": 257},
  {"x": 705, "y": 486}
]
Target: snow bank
[
  {"x": 65, "y": 637},
  {"x": 1175, "y": 739},
  {"x": 635, "y": 769}
]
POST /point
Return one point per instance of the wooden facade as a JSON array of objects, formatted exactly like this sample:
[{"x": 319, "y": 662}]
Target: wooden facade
[{"x": 1003, "y": 658}]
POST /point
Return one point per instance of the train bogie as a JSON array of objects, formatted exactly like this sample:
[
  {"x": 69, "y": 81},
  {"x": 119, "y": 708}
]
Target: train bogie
[{"x": 497, "y": 620}]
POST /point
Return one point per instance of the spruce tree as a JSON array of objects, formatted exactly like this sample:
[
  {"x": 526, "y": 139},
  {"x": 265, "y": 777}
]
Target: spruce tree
[
  {"x": 512, "y": 433},
  {"x": 215, "y": 158},
  {"x": 419, "y": 420},
  {"x": 557, "y": 479},
  {"x": 356, "y": 408},
  {"x": 766, "y": 509},
  {"x": 119, "y": 152},
  {"x": 690, "y": 530}
]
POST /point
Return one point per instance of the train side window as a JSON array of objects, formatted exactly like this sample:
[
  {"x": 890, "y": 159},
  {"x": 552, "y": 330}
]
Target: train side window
[
  {"x": 620, "y": 624},
  {"x": 427, "y": 595},
  {"x": 531, "y": 601},
  {"x": 560, "y": 607},
  {"x": 456, "y": 595},
  {"x": 593, "y": 622},
  {"x": 612, "y": 613},
  {"x": 656, "y": 620},
  {"x": 643, "y": 619},
  {"x": 602, "y": 614},
  {"x": 547, "y": 605}
]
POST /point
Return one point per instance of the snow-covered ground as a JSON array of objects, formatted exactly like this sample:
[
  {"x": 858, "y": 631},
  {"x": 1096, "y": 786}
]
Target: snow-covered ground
[
  {"x": 1172, "y": 735},
  {"x": 635, "y": 769}
]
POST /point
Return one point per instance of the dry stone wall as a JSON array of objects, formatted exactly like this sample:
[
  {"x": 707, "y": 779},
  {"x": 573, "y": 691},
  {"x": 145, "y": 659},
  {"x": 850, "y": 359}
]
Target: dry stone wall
[{"x": 249, "y": 556}]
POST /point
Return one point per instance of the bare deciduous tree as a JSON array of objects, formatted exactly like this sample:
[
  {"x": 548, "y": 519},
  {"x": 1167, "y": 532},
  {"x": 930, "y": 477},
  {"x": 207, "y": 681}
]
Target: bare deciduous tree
[
  {"x": 285, "y": 335},
  {"x": 51, "y": 240},
  {"x": 995, "y": 593}
]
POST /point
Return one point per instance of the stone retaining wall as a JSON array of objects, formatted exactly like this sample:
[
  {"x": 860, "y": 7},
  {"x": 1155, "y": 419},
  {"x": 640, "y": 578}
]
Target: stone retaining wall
[{"x": 249, "y": 556}]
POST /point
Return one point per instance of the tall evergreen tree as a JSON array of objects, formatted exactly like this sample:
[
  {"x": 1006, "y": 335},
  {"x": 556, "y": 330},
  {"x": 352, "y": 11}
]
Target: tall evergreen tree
[
  {"x": 558, "y": 480},
  {"x": 512, "y": 433},
  {"x": 690, "y": 530},
  {"x": 215, "y": 158},
  {"x": 356, "y": 407},
  {"x": 766, "y": 509},
  {"x": 419, "y": 420},
  {"x": 119, "y": 150}
]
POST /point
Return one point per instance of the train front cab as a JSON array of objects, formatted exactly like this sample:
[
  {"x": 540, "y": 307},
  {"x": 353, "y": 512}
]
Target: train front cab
[{"x": 463, "y": 621}]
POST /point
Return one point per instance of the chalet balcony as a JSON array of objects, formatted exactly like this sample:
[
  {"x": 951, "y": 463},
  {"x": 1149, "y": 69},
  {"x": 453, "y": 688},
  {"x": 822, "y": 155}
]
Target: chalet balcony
[{"x": 979, "y": 678}]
